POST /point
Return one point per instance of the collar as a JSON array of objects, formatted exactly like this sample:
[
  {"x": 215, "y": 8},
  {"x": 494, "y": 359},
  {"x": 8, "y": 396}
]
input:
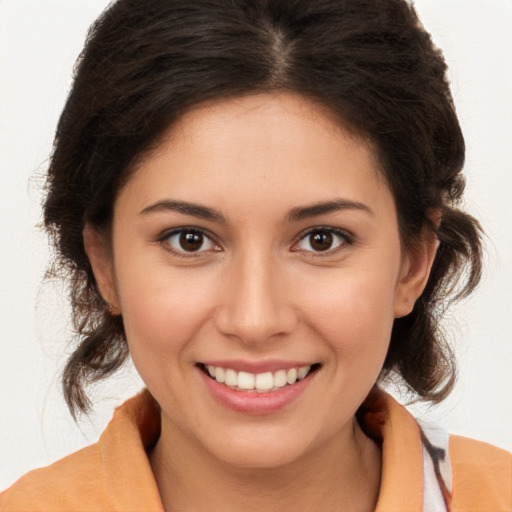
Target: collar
[
  {"x": 136, "y": 427},
  {"x": 409, "y": 482},
  {"x": 126, "y": 472}
]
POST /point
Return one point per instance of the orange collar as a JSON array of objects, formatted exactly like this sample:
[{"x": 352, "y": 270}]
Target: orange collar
[
  {"x": 115, "y": 474},
  {"x": 137, "y": 423}
]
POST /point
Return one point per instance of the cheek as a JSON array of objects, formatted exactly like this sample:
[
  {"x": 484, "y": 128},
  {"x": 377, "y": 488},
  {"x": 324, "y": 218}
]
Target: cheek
[
  {"x": 354, "y": 313},
  {"x": 162, "y": 309}
]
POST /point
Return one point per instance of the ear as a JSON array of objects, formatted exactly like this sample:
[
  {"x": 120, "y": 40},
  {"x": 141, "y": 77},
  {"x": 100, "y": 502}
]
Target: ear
[
  {"x": 100, "y": 257},
  {"x": 416, "y": 271}
]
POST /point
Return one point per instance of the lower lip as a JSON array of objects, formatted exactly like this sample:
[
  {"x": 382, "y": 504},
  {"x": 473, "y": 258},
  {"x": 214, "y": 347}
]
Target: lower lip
[{"x": 255, "y": 403}]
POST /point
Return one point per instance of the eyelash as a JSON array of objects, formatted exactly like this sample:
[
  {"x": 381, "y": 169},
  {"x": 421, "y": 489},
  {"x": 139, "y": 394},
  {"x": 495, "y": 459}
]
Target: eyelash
[
  {"x": 179, "y": 231},
  {"x": 345, "y": 237}
]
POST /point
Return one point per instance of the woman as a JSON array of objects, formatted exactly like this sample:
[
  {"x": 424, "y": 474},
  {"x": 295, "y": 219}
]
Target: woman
[{"x": 258, "y": 201}]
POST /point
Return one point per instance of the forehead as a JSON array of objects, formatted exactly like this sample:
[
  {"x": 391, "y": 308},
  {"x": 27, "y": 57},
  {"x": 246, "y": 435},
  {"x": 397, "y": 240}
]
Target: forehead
[{"x": 277, "y": 147}]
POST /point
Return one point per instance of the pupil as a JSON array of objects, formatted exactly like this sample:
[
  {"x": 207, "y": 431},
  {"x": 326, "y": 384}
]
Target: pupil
[
  {"x": 321, "y": 241},
  {"x": 191, "y": 241}
]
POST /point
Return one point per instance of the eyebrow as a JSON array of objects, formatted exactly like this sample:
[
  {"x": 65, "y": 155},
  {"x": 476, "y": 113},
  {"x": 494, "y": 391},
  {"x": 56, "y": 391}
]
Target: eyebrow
[
  {"x": 304, "y": 212},
  {"x": 294, "y": 215},
  {"x": 195, "y": 210}
]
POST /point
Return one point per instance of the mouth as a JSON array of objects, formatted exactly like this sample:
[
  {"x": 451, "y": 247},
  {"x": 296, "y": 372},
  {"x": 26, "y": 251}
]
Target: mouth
[{"x": 265, "y": 382}]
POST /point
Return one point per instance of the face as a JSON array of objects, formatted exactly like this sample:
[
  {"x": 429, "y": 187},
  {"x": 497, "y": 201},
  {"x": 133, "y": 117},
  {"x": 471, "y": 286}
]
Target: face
[{"x": 258, "y": 244}]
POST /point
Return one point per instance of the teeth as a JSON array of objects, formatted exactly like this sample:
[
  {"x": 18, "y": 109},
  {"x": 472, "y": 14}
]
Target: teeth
[
  {"x": 280, "y": 379},
  {"x": 220, "y": 374},
  {"x": 291, "y": 375},
  {"x": 302, "y": 372},
  {"x": 260, "y": 382},
  {"x": 231, "y": 378},
  {"x": 245, "y": 380},
  {"x": 264, "y": 381}
]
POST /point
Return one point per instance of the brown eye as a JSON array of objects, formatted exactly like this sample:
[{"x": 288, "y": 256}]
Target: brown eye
[
  {"x": 183, "y": 241},
  {"x": 191, "y": 242},
  {"x": 323, "y": 240}
]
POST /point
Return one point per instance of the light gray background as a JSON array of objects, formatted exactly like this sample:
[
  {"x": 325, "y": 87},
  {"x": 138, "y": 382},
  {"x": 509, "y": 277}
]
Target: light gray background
[{"x": 39, "y": 41}]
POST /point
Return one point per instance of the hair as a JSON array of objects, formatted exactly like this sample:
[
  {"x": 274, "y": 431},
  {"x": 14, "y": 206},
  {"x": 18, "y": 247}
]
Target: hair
[{"x": 369, "y": 62}]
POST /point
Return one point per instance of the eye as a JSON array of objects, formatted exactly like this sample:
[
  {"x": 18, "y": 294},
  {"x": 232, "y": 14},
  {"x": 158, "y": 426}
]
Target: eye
[
  {"x": 188, "y": 241},
  {"x": 326, "y": 240}
]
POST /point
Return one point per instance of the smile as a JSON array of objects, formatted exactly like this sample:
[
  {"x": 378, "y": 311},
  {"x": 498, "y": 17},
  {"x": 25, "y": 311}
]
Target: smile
[
  {"x": 258, "y": 382},
  {"x": 256, "y": 388}
]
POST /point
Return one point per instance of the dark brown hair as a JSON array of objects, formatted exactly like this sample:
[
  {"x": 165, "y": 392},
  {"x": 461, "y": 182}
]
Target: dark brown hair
[{"x": 370, "y": 62}]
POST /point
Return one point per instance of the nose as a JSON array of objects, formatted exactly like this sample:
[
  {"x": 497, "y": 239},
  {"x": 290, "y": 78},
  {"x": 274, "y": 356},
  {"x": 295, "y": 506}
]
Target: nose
[{"x": 256, "y": 306}]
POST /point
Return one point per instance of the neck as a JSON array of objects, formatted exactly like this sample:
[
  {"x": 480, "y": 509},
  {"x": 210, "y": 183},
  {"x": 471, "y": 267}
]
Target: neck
[{"x": 343, "y": 474}]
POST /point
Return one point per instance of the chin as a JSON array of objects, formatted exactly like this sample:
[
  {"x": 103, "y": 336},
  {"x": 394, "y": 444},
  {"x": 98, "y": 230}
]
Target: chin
[
  {"x": 258, "y": 446},
  {"x": 261, "y": 455}
]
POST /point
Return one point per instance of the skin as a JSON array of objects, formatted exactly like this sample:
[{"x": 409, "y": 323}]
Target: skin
[{"x": 258, "y": 291}]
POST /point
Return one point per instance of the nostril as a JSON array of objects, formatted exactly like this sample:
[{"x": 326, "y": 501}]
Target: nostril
[{"x": 254, "y": 326}]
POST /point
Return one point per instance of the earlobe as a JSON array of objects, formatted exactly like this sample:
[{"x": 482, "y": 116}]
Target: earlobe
[
  {"x": 417, "y": 266},
  {"x": 100, "y": 258}
]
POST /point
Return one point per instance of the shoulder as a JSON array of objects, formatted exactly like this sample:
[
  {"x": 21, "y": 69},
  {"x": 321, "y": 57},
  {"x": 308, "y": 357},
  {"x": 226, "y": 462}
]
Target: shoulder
[
  {"x": 56, "y": 487},
  {"x": 452, "y": 472},
  {"x": 482, "y": 476},
  {"x": 113, "y": 474}
]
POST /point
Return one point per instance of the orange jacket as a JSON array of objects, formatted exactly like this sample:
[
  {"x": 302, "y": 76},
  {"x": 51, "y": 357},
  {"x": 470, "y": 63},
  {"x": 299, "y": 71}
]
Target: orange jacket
[{"x": 115, "y": 475}]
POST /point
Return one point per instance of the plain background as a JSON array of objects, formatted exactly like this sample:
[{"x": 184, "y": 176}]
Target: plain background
[{"x": 39, "y": 42}]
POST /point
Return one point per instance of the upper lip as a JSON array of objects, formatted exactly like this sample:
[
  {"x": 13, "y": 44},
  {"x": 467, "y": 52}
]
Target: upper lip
[{"x": 272, "y": 365}]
